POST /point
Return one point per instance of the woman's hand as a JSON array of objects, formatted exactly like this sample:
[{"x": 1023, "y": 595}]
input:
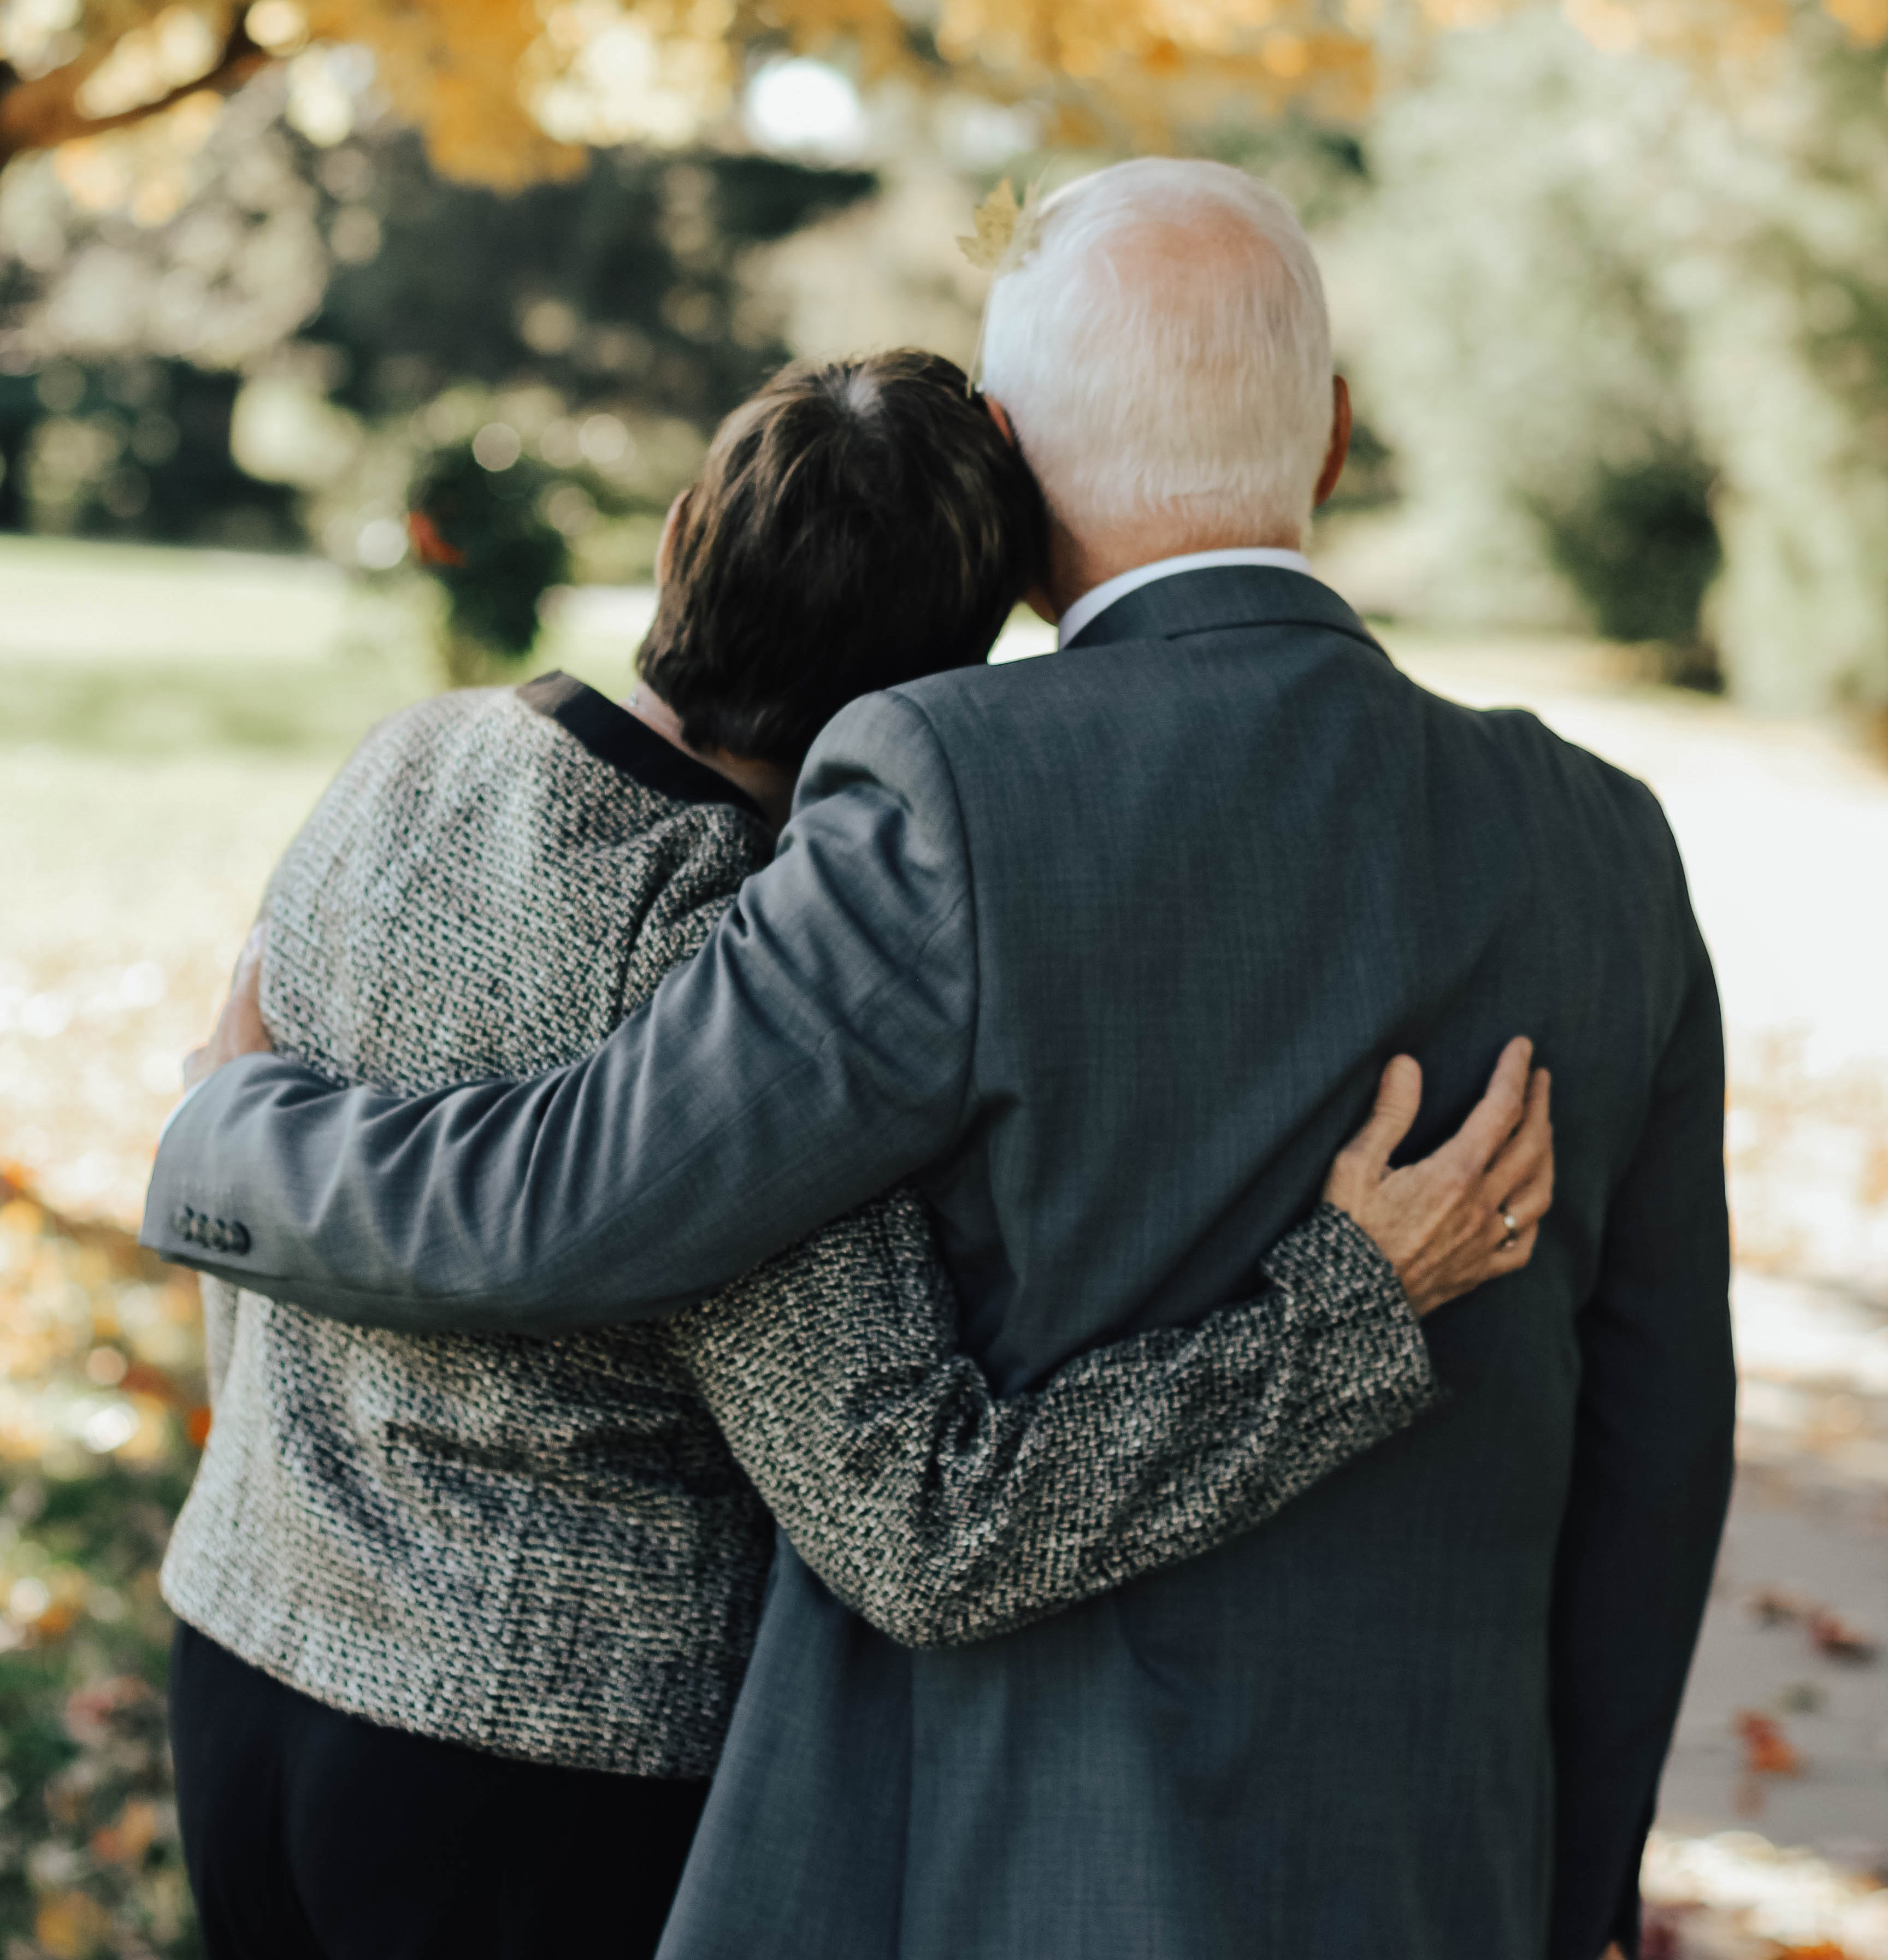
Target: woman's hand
[
  {"x": 240, "y": 1029},
  {"x": 1470, "y": 1211}
]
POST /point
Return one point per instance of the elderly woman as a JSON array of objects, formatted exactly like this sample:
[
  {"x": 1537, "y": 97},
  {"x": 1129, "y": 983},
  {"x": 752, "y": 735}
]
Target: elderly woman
[{"x": 462, "y": 1617}]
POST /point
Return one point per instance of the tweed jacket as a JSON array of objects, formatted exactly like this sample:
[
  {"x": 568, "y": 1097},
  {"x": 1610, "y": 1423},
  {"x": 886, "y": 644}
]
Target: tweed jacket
[{"x": 556, "y": 1550}]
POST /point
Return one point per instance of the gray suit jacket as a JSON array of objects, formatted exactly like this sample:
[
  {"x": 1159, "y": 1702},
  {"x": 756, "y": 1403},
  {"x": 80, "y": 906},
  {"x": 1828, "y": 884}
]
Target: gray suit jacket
[{"x": 1105, "y": 950}]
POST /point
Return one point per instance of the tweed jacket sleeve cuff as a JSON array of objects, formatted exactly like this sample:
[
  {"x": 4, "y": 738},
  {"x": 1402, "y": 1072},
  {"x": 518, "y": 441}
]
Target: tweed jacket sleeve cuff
[
  {"x": 1329, "y": 1266},
  {"x": 945, "y": 1513}
]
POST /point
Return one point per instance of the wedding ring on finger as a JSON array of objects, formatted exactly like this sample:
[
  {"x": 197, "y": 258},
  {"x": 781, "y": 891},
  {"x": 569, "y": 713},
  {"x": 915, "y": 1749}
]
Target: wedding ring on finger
[{"x": 1511, "y": 1227}]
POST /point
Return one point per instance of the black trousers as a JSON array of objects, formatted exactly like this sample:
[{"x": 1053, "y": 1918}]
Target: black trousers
[{"x": 312, "y": 1835}]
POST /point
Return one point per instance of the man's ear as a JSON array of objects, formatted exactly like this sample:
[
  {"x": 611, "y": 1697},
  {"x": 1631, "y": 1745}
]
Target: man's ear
[
  {"x": 667, "y": 543},
  {"x": 1340, "y": 446},
  {"x": 1036, "y": 599}
]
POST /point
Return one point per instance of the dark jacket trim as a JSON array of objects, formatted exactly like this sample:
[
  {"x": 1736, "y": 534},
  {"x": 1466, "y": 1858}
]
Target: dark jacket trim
[{"x": 615, "y": 735}]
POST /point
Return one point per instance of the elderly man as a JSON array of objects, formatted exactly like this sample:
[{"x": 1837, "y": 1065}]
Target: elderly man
[{"x": 1105, "y": 950}]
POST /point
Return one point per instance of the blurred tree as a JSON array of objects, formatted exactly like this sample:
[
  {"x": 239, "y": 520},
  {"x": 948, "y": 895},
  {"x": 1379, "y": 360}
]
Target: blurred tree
[
  {"x": 341, "y": 313},
  {"x": 1608, "y": 215},
  {"x": 507, "y": 91},
  {"x": 1510, "y": 341},
  {"x": 132, "y": 449},
  {"x": 620, "y": 286},
  {"x": 1622, "y": 333}
]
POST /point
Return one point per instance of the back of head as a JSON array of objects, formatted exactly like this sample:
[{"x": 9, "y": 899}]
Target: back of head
[
  {"x": 856, "y": 524},
  {"x": 1164, "y": 353}
]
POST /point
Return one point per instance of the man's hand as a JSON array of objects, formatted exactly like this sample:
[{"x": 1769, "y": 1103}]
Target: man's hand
[
  {"x": 1472, "y": 1209},
  {"x": 239, "y": 1029}
]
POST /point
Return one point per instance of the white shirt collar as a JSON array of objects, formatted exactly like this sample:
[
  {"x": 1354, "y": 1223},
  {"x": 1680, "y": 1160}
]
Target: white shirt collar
[{"x": 1096, "y": 601}]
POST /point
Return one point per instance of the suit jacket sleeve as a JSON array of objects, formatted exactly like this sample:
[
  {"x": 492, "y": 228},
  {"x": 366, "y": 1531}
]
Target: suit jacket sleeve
[
  {"x": 1651, "y": 1478},
  {"x": 943, "y": 1513},
  {"x": 815, "y": 1051}
]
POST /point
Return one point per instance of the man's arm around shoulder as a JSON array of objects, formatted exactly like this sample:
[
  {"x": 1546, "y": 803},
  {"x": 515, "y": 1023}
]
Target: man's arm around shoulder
[{"x": 815, "y": 1050}]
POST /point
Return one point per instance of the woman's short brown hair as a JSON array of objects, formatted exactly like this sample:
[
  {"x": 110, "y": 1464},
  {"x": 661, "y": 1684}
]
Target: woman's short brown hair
[{"x": 856, "y": 524}]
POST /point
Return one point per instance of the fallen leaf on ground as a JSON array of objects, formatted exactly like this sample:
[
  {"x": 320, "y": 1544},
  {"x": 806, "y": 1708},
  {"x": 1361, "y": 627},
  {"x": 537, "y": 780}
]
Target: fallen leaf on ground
[
  {"x": 1833, "y": 1637},
  {"x": 1771, "y": 1606},
  {"x": 1767, "y": 1751}
]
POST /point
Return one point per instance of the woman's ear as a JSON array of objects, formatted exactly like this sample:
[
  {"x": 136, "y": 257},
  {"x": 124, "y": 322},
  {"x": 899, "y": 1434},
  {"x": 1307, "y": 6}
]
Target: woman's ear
[
  {"x": 1000, "y": 416},
  {"x": 666, "y": 546}
]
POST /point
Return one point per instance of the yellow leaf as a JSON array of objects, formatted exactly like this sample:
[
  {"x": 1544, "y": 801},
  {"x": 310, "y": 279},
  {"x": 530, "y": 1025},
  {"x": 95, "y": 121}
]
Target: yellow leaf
[
  {"x": 1005, "y": 229},
  {"x": 995, "y": 221}
]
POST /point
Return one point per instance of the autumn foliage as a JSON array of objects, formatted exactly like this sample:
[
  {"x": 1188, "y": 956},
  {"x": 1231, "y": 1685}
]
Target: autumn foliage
[{"x": 511, "y": 91}]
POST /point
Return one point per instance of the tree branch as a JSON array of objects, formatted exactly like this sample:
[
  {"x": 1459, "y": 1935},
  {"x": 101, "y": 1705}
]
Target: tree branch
[{"x": 39, "y": 114}]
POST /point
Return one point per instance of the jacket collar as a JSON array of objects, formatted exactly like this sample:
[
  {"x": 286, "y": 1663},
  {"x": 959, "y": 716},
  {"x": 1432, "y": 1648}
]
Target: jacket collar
[
  {"x": 1226, "y": 596},
  {"x": 615, "y": 735}
]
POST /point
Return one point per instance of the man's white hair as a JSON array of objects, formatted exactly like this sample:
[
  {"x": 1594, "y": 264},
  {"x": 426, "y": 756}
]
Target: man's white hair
[{"x": 1163, "y": 351}]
